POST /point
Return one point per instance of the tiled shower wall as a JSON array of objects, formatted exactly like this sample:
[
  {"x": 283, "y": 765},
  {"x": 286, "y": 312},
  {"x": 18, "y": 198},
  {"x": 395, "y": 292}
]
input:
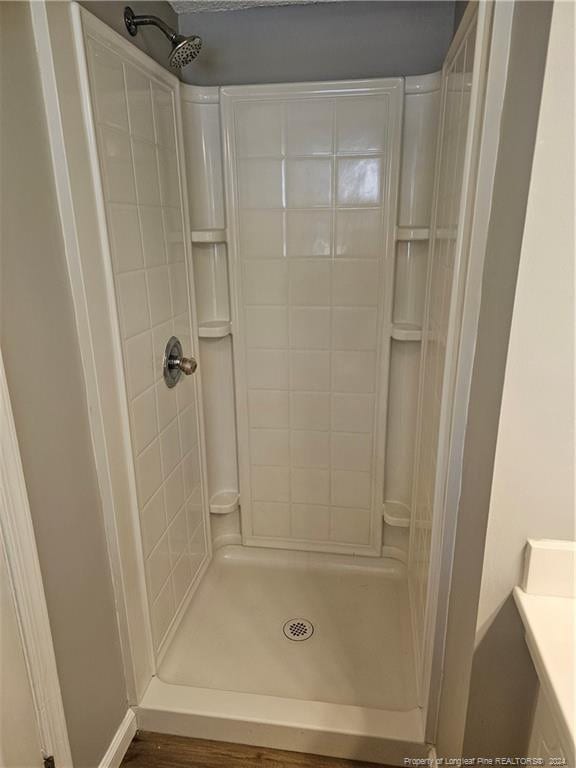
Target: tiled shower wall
[
  {"x": 138, "y": 150},
  {"x": 314, "y": 180},
  {"x": 455, "y": 109}
]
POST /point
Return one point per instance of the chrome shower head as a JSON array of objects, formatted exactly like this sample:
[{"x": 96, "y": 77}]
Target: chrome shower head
[{"x": 184, "y": 49}]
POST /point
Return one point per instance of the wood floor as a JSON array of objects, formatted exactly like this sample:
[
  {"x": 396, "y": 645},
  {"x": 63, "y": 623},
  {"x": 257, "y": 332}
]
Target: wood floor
[{"x": 155, "y": 750}]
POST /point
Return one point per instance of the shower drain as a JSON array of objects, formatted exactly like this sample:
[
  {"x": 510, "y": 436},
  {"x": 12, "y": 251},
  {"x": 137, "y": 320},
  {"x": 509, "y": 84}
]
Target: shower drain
[{"x": 298, "y": 629}]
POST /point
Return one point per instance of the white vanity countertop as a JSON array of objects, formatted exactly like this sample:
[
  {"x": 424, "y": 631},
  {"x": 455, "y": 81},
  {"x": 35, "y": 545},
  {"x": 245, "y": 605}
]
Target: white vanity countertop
[{"x": 550, "y": 624}]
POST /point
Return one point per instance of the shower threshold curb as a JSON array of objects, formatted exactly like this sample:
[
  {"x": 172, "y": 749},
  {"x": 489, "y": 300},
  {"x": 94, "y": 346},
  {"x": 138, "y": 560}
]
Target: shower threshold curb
[{"x": 333, "y": 730}]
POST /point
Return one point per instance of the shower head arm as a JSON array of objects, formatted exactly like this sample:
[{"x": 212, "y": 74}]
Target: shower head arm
[{"x": 133, "y": 22}]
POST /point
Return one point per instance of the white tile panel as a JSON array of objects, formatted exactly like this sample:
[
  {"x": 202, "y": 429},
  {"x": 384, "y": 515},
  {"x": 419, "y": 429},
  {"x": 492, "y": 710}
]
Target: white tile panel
[
  {"x": 266, "y": 282},
  {"x": 361, "y": 125},
  {"x": 178, "y": 537},
  {"x": 144, "y": 418},
  {"x": 310, "y": 449},
  {"x": 308, "y": 127},
  {"x": 260, "y": 184},
  {"x": 267, "y": 327},
  {"x": 139, "y": 104},
  {"x": 153, "y": 521},
  {"x": 310, "y": 327},
  {"x": 270, "y": 447},
  {"x": 359, "y": 233},
  {"x": 308, "y": 182},
  {"x": 153, "y": 238},
  {"x": 261, "y": 234},
  {"x": 117, "y": 166},
  {"x": 110, "y": 96},
  {"x": 174, "y": 493},
  {"x": 163, "y": 609},
  {"x": 309, "y": 370},
  {"x": 359, "y": 181},
  {"x": 354, "y": 328},
  {"x": 310, "y": 486},
  {"x": 158, "y": 566},
  {"x": 164, "y": 116},
  {"x": 260, "y": 129},
  {"x": 271, "y": 483},
  {"x": 136, "y": 136},
  {"x": 312, "y": 179},
  {"x": 356, "y": 283},
  {"x": 146, "y": 172},
  {"x": 310, "y": 521},
  {"x": 133, "y": 301},
  {"x": 125, "y": 243},
  {"x": 308, "y": 233},
  {"x": 271, "y": 520},
  {"x": 267, "y": 369},
  {"x": 310, "y": 410},
  {"x": 268, "y": 408},
  {"x": 310, "y": 282}
]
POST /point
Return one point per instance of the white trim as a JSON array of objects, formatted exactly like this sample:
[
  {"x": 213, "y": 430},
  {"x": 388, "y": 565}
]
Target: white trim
[
  {"x": 493, "y": 47},
  {"x": 120, "y": 742},
  {"x": 335, "y": 730},
  {"x": 500, "y": 34},
  {"x": 436, "y": 603},
  {"x": 19, "y": 545},
  {"x": 59, "y": 155},
  {"x": 200, "y": 94},
  {"x": 415, "y": 84},
  {"x": 80, "y": 198},
  {"x": 88, "y": 27},
  {"x": 461, "y": 338}
]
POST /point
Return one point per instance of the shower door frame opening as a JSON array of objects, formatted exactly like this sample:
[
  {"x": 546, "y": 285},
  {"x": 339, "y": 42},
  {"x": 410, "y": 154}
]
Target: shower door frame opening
[{"x": 73, "y": 150}]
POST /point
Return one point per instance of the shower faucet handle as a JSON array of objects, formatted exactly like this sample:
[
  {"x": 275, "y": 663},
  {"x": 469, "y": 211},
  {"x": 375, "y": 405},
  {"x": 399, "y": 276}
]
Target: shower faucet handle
[
  {"x": 187, "y": 365},
  {"x": 175, "y": 364}
]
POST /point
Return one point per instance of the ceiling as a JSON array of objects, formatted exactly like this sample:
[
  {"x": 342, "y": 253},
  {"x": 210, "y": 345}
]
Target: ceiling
[{"x": 190, "y": 6}]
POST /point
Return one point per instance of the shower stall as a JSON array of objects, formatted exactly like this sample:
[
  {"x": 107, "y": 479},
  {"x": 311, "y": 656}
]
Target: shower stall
[{"x": 275, "y": 519}]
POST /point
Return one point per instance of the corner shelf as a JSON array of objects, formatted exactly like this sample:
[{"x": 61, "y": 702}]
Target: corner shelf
[
  {"x": 208, "y": 236},
  {"x": 396, "y": 514},
  {"x": 406, "y": 332},
  {"x": 224, "y": 502},
  {"x": 395, "y": 553},
  {"x": 214, "y": 329},
  {"x": 412, "y": 233}
]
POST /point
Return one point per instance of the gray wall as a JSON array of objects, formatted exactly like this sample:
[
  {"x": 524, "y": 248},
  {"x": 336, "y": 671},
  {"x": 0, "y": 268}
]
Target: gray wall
[
  {"x": 319, "y": 42},
  {"x": 148, "y": 39},
  {"x": 497, "y": 713},
  {"x": 533, "y": 484},
  {"x": 40, "y": 347}
]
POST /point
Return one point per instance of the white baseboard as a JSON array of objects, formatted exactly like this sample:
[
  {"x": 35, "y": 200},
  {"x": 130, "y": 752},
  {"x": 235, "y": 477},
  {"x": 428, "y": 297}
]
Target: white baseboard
[{"x": 120, "y": 743}]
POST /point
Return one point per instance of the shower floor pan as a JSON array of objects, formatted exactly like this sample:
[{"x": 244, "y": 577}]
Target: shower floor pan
[{"x": 293, "y": 650}]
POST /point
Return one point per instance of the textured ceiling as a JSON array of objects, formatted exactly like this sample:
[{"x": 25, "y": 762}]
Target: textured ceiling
[{"x": 189, "y": 6}]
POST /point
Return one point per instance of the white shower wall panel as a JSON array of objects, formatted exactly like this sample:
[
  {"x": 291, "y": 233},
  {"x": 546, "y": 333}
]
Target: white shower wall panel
[
  {"x": 421, "y": 104},
  {"x": 312, "y": 177},
  {"x": 442, "y": 267},
  {"x": 136, "y": 127}
]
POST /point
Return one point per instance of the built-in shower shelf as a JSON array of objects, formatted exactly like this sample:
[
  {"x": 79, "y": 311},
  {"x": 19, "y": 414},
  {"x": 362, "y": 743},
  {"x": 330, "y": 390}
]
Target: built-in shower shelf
[
  {"x": 396, "y": 514},
  {"x": 224, "y": 502},
  {"x": 412, "y": 233},
  {"x": 208, "y": 236},
  {"x": 406, "y": 332},
  {"x": 214, "y": 329},
  {"x": 395, "y": 553}
]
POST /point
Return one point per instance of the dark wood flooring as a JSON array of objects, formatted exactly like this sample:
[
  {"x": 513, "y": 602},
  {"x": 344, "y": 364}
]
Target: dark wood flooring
[{"x": 155, "y": 750}]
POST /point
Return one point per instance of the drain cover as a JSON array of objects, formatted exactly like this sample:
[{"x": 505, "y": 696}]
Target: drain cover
[{"x": 298, "y": 629}]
